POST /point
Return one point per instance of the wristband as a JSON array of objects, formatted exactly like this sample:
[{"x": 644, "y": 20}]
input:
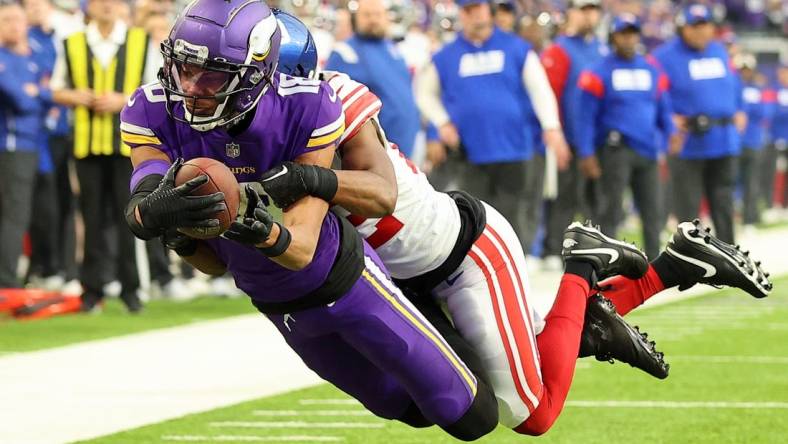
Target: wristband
[
  {"x": 142, "y": 188},
  {"x": 326, "y": 183},
  {"x": 281, "y": 244},
  {"x": 151, "y": 167}
]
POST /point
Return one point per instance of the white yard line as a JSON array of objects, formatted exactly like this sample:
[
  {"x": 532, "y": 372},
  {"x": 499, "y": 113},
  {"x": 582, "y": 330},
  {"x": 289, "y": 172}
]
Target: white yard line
[
  {"x": 679, "y": 404},
  {"x": 298, "y": 425},
  {"x": 101, "y": 387},
  {"x": 778, "y": 360},
  {"x": 329, "y": 401},
  {"x": 307, "y": 413},
  {"x": 252, "y": 438}
]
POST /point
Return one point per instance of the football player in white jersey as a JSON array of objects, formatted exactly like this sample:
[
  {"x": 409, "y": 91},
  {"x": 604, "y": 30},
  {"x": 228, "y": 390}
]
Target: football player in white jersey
[{"x": 460, "y": 250}]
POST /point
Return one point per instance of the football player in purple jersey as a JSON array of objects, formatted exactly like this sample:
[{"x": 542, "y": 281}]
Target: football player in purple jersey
[{"x": 324, "y": 288}]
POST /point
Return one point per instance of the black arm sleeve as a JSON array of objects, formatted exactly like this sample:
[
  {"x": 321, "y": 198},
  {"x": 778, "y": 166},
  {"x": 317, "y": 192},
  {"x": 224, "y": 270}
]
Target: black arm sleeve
[{"x": 146, "y": 186}]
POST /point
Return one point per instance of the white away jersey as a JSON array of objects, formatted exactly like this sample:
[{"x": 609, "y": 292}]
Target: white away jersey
[{"x": 420, "y": 234}]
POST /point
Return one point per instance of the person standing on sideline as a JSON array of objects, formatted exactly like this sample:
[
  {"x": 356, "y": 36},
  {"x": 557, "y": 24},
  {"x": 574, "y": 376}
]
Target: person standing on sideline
[
  {"x": 371, "y": 58},
  {"x": 626, "y": 116},
  {"x": 23, "y": 99},
  {"x": 757, "y": 103},
  {"x": 779, "y": 131},
  {"x": 706, "y": 96},
  {"x": 97, "y": 72},
  {"x": 478, "y": 92},
  {"x": 576, "y": 49},
  {"x": 52, "y": 231},
  {"x": 505, "y": 14}
]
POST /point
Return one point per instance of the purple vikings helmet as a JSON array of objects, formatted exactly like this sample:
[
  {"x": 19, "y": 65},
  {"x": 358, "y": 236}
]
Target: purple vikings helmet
[{"x": 219, "y": 59}]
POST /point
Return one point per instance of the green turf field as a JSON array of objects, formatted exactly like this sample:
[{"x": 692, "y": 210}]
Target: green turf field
[
  {"x": 21, "y": 336},
  {"x": 728, "y": 384}
]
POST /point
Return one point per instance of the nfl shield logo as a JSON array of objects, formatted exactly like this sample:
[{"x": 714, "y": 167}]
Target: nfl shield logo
[{"x": 232, "y": 149}]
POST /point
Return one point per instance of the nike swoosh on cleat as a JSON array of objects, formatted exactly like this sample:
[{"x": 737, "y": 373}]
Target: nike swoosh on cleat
[
  {"x": 281, "y": 173},
  {"x": 710, "y": 269},
  {"x": 609, "y": 251}
]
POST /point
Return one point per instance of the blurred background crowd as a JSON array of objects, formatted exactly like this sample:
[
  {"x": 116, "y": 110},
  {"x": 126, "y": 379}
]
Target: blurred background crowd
[{"x": 64, "y": 177}]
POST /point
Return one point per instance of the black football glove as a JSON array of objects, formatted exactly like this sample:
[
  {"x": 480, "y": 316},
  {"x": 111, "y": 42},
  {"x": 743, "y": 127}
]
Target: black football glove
[
  {"x": 169, "y": 206},
  {"x": 182, "y": 244},
  {"x": 290, "y": 181},
  {"x": 257, "y": 222}
]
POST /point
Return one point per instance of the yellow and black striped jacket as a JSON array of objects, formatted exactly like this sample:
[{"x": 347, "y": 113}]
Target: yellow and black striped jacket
[{"x": 98, "y": 134}]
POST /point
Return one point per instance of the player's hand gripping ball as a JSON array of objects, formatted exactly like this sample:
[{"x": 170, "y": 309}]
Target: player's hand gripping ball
[
  {"x": 216, "y": 181},
  {"x": 186, "y": 204},
  {"x": 257, "y": 222}
]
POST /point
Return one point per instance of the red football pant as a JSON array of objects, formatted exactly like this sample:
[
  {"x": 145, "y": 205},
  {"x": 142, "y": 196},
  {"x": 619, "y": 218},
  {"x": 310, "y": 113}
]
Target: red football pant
[
  {"x": 628, "y": 294},
  {"x": 558, "y": 346}
]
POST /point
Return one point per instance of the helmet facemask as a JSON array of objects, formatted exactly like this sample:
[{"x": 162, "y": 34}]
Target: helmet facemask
[{"x": 207, "y": 88}]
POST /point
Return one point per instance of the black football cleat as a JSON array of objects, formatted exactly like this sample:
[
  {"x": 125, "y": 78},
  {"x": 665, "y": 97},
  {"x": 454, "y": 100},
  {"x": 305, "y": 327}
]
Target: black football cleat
[
  {"x": 711, "y": 261},
  {"x": 608, "y": 337},
  {"x": 609, "y": 257}
]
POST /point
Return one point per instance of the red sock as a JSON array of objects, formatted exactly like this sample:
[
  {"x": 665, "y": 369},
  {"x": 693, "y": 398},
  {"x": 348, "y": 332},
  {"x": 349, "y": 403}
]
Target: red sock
[
  {"x": 627, "y": 294},
  {"x": 558, "y": 346}
]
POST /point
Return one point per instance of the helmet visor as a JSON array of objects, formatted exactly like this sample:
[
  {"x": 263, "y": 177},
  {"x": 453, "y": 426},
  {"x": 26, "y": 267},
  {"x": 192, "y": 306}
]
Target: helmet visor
[{"x": 198, "y": 81}]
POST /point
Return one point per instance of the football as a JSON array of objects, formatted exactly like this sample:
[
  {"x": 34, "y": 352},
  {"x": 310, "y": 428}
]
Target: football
[{"x": 220, "y": 178}]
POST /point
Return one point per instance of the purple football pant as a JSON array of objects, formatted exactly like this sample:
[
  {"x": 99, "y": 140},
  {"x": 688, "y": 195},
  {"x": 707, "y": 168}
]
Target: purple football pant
[{"x": 375, "y": 346}]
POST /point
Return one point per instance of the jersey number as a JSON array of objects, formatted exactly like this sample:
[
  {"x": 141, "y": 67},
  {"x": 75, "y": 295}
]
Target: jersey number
[
  {"x": 154, "y": 92},
  {"x": 295, "y": 85},
  {"x": 386, "y": 228}
]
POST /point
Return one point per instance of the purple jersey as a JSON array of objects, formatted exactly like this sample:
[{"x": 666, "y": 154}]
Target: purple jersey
[{"x": 294, "y": 116}]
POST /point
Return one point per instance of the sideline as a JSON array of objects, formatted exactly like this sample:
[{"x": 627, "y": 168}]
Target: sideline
[{"x": 96, "y": 388}]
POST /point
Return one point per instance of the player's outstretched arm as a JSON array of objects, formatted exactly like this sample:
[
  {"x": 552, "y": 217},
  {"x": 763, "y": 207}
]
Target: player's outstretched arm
[
  {"x": 291, "y": 244},
  {"x": 366, "y": 185},
  {"x": 304, "y": 218}
]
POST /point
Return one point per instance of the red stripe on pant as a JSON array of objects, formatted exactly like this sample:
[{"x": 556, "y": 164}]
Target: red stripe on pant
[
  {"x": 499, "y": 321},
  {"x": 509, "y": 314},
  {"x": 524, "y": 341},
  {"x": 523, "y": 296}
]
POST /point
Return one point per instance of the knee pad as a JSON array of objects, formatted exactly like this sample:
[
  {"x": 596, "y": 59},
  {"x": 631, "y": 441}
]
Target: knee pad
[{"x": 414, "y": 418}]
